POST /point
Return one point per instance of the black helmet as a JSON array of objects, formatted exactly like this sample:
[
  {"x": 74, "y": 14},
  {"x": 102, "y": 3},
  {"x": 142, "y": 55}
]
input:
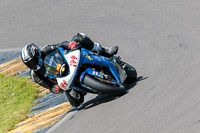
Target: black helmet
[{"x": 31, "y": 56}]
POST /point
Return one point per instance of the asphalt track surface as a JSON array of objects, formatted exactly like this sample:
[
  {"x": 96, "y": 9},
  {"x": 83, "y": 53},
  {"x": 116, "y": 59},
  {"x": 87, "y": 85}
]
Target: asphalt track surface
[{"x": 160, "y": 38}]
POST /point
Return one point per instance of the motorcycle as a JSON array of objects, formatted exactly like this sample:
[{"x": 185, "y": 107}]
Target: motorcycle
[{"x": 88, "y": 72}]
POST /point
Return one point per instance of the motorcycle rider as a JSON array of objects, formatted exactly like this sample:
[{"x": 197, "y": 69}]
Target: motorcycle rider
[{"x": 33, "y": 58}]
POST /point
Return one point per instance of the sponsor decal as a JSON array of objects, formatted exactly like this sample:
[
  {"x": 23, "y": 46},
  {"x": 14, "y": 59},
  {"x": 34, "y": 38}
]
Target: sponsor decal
[
  {"x": 90, "y": 58},
  {"x": 97, "y": 74},
  {"x": 58, "y": 67}
]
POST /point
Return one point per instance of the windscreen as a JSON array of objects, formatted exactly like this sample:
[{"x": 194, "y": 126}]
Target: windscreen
[{"x": 54, "y": 64}]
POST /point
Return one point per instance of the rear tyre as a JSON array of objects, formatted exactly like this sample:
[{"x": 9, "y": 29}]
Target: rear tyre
[
  {"x": 103, "y": 87},
  {"x": 130, "y": 71}
]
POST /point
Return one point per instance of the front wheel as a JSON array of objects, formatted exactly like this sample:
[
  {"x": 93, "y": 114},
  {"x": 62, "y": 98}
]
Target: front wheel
[
  {"x": 103, "y": 86},
  {"x": 74, "y": 97}
]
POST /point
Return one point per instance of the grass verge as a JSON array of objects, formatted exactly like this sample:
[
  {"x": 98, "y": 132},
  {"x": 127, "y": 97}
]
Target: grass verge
[{"x": 16, "y": 99}]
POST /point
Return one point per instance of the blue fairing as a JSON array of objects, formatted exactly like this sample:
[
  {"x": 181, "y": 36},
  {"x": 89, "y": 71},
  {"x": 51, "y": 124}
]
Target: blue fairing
[{"x": 88, "y": 58}]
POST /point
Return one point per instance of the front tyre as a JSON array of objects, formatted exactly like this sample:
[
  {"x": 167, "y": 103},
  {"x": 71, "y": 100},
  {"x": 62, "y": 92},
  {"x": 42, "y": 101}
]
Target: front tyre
[
  {"x": 103, "y": 87},
  {"x": 74, "y": 97}
]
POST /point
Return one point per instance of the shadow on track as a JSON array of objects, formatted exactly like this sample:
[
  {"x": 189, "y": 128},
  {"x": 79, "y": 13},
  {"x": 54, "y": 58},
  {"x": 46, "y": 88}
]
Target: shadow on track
[{"x": 104, "y": 98}]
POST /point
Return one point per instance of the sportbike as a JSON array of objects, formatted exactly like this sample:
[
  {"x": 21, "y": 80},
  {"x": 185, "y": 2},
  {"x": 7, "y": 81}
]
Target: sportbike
[{"x": 87, "y": 72}]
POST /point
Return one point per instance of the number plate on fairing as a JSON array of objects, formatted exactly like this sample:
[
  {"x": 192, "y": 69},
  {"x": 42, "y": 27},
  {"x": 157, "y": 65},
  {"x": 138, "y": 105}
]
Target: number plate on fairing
[{"x": 73, "y": 58}]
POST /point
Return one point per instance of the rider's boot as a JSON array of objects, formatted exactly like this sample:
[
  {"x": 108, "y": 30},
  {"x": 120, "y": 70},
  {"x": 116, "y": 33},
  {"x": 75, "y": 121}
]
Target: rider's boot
[{"x": 105, "y": 51}]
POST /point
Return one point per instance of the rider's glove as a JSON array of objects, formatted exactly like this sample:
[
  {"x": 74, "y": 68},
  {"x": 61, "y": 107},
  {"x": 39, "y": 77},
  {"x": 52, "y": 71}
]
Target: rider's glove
[
  {"x": 64, "y": 44},
  {"x": 73, "y": 45},
  {"x": 56, "y": 89}
]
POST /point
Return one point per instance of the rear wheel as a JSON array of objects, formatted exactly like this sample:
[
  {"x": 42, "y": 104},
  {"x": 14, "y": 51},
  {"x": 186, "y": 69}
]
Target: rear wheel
[
  {"x": 103, "y": 86},
  {"x": 130, "y": 71}
]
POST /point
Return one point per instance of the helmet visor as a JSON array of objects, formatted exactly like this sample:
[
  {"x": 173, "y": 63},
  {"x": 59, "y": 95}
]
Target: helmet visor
[{"x": 32, "y": 64}]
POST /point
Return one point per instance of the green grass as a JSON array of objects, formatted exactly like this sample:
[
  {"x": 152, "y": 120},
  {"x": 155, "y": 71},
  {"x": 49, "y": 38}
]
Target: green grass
[{"x": 16, "y": 99}]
